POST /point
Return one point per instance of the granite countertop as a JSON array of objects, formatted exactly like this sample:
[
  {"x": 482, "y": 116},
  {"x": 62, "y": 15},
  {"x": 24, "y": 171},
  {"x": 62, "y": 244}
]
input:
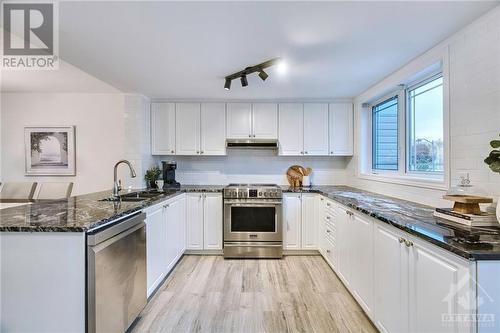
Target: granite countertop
[
  {"x": 473, "y": 243},
  {"x": 86, "y": 212},
  {"x": 81, "y": 213}
]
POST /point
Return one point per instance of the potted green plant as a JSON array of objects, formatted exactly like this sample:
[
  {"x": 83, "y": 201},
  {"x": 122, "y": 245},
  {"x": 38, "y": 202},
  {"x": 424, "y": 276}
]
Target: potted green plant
[
  {"x": 493, "y": 161},
  {"x": 151, "y": 176}
]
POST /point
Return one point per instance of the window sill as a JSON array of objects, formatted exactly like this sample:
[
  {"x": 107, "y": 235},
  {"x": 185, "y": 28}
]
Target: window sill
[{"x": 436, "y": 184}]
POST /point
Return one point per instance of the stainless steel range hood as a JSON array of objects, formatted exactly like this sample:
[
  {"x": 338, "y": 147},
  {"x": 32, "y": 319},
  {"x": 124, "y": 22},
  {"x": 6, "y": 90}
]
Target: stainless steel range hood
[{"x": 271, "y": 144}]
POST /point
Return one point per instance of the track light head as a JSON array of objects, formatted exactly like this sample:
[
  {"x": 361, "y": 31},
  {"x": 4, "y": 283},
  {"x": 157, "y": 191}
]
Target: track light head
[
  {"x": 244, "y": 81},
  {"x": 263, "y": 75},
  {"x": 227, "y": 84}
]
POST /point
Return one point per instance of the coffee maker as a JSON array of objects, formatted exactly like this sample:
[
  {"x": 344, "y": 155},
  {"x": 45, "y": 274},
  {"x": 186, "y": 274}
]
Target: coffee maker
[{"x": 169, "y": 175}]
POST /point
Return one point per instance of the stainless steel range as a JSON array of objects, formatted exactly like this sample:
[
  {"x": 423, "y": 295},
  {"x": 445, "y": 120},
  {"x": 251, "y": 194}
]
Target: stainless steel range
[{"x": 253, "y": 221}]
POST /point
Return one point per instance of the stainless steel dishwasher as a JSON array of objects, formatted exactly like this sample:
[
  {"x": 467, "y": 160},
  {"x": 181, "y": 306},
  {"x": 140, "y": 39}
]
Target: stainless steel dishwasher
[{"x": 116, "y": 275}]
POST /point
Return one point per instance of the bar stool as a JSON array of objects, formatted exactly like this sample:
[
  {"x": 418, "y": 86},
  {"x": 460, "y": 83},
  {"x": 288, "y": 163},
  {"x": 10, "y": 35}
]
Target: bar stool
[
  {"x": 18, "y": 191},
  {"x": 48, "y": 191}
]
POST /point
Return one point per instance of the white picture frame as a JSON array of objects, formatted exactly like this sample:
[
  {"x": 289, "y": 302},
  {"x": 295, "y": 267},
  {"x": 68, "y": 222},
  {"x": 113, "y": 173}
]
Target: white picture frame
[{"x": 50, "y": 151}]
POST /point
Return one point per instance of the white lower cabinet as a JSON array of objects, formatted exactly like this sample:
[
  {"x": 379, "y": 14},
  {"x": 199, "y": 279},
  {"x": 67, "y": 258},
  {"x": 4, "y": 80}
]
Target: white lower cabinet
[
  {"x": 156, "y": 247},
  {"x": 165, "y": 241},
  {"x": 391, "y": 280},
  {"x": 292, "y": 217},
  {"x": 300, "y": 221},
  {"x": 404, "y": 284},
  {"x": 175, "y": 212},
  {"x": 194, "y": 221},
  {"x": 204, "y": 221},
  {"x": 212, "y": 221}
]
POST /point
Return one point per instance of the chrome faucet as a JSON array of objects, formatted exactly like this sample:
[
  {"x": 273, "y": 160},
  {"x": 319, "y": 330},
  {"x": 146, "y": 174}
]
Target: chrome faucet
[{"x": 117, "y": 185}]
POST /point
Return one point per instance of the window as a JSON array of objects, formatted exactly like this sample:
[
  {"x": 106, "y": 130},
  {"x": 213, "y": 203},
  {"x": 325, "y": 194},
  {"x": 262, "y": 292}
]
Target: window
[
  {"x": 385, "y": 135},
  {"x": 425, "y": 126},
  {"x": 407, "y": 132}
]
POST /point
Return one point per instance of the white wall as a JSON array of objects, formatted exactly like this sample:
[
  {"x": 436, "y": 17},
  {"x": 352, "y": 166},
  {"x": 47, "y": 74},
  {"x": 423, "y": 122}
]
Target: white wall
[
  {"x": 100, "y": 138},
  {"x": 255, "y": 166},
  {"x": 474, "y": 101}
]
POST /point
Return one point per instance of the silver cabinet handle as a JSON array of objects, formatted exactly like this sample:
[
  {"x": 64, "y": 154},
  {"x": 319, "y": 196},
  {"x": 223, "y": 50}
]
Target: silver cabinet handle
[
  {"x": 327, "y": 251},
  {"x": 172, "y": 151},
  {"x": 328, "y": 217},
  {"x": 331, "y": 152},
  {"x": 302, "y": 153},
  {"x": 201, "y": 152},
  {"x": 401, "y": 240},
  {"x": 249, "y": 135},
  {"x": 197, "y": 152},
  {"x": 305, "y": 152},
  {"x": 327, "y": 231},
  {"x": 327, "y": 204},
  {"x": 408, "y": 243}
]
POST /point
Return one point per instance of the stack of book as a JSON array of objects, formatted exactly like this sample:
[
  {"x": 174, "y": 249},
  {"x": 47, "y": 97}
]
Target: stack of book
[{"x": 471, "y": 220}]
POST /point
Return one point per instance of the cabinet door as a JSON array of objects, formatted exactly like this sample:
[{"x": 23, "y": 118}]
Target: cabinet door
[
  {"x": 181, "y": 242},
  {"x": 362, "y": 272},
  {"x": 438, "y": 285},
  {"x": 213, "y": 129},
  {"x": 345, "y": 245},
  {"x": 341, "y": 129},
  {"x": 292, "y": 216},
  {"x": 212, "y": 221},
  {"x": 310, "y": 221},
  {"x": 315, "y": 129},
  {"x": 390, "y": 280},
  {"x": 187, "y": 120},
  {"x": 163, "y": 128},
  {"x": 291, "y": 129},
  {"x": 265, "y": 120},
  {"x": 156, "y": 258},
  {"x": 172, "y": 218},
  {"x": 239, "y": 120},
  {"x": 194, "y": 221}
]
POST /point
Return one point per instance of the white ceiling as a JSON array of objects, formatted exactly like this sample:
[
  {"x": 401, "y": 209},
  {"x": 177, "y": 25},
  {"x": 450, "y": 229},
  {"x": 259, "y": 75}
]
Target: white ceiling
[{"x": 183, "y": 50}]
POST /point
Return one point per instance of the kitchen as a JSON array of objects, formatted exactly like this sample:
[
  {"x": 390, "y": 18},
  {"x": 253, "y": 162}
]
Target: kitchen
[{"x": 196, "y": 171}]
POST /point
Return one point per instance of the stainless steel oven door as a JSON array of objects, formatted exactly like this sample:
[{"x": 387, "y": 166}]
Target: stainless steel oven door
[{"x": 253, "y": 220}]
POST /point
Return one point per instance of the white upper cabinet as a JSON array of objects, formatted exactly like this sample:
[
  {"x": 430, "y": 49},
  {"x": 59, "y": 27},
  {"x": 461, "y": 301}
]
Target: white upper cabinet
[
  {"x": 265, "y": 120},
  {"x": 239, "y": 120},
  {"x": 187, "y": 120},
  {"x": 315, "y": 129},
  {"x": 341, "y": 129},
  {"x": 163, "y": 128},
  {"x": 290, "y": 129},
  {"x": 213, "y": 129}
]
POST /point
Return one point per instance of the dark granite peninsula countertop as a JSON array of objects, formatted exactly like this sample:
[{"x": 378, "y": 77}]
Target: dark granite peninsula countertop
[
  {"x": 81, "y": 213},
  {"x": 473, "y": 243}
]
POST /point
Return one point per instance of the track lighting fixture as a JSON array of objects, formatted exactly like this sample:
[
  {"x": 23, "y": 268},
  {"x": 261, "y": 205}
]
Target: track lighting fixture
[
  {"x": 263, "y": 75},
  {"x": 244, "y": 81},
  {"x": 249, "y": 70},
  {"x": 227, "y": 84}
]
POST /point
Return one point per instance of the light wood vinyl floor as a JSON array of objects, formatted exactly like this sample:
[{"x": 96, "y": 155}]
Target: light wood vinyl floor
[{"x": 213, "y": 294}]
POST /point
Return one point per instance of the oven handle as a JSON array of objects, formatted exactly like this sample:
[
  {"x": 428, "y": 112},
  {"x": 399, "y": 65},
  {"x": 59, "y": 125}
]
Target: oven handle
[{"x": 253, "y": 204}]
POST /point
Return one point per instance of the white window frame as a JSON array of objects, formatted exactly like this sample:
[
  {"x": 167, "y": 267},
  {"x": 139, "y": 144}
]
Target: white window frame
[{"x": 403, "y": 176}]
